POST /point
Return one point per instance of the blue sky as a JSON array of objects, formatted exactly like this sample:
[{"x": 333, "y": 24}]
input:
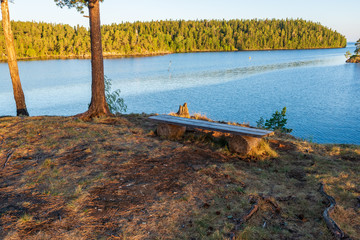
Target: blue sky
[{"x": 341, "y": 16}]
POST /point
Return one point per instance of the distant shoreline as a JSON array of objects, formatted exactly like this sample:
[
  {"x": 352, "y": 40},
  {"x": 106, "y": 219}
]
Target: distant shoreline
[
  {"x": 106, "y": 56},
  {"x": 134, "y": 55}
]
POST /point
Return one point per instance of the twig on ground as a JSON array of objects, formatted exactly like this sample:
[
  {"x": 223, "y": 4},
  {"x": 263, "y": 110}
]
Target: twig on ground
[{"x": 331, "y": 224}]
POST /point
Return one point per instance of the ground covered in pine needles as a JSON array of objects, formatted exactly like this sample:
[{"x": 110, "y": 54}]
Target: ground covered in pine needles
[{"x": 113, "y": 178}]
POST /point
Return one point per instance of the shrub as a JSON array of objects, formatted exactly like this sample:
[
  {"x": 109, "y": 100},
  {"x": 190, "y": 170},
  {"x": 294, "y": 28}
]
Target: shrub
[{"x": 113, "y": 99}]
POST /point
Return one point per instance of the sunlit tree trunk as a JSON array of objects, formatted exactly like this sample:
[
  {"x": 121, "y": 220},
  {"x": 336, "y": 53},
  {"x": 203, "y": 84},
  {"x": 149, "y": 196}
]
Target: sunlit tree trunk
[
  {"x": 98, "y": 106},
  {"x": 13, "y": 66}
]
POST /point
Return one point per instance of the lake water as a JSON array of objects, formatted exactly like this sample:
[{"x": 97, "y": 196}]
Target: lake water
[{"x": 320, "y": 91}]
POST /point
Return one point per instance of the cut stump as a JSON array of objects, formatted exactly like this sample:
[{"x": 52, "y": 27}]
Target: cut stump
[{"x": 183, "y": 111}]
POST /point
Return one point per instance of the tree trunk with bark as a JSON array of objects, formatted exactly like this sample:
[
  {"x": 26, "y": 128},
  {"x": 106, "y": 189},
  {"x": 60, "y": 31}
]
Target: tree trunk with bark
[
  {"x": 21, "y": 109},
  {"x": 98, "y": 106}
]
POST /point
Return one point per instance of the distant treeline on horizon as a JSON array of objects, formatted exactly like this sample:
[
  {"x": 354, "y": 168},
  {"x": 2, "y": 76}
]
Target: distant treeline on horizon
[{"x": 51, "y": 40}]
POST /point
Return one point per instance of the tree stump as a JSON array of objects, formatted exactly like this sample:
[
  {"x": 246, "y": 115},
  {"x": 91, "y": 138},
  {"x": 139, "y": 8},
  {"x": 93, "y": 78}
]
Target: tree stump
[
  {"x": 170, "y": 131},
  {"x": 242, "y": 144},
  {"x": 183, "y": 111}
]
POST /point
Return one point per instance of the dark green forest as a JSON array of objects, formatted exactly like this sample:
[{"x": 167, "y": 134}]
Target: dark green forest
[{"x": 33, "y": 40}]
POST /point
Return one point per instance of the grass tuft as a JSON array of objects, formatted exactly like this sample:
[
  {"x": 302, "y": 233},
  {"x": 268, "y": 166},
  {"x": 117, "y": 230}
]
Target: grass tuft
[{"x": 263, "y": 151}]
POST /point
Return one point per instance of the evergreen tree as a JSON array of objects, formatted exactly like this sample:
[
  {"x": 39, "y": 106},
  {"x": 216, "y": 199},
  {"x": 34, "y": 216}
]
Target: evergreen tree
[
  {"x": 276, "y": 122},
  {"x": 98, "y": 105},
  {"x": 21, "y": 109}
]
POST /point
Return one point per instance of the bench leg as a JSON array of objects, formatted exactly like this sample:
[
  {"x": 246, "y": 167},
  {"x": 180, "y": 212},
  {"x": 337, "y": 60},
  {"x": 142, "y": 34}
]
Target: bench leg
[
  {"x": 170, "y": 131},
  {"x": 242, "y": 144}
]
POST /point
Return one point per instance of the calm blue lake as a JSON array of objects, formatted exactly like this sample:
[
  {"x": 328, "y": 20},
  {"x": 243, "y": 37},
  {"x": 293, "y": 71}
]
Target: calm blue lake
[{"x": 320, "y": 91}]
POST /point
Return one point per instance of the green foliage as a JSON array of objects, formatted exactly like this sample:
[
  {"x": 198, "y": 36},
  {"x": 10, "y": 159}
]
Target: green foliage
[
  {"x": 78, "y": 4},
  {"x": 49, "y": 40},
  {"x": 277, "y": 122},
  {"x": 115, "y": 102},
  {"x": 357, "y": 44},
  {"x": 260, "y": 123}
]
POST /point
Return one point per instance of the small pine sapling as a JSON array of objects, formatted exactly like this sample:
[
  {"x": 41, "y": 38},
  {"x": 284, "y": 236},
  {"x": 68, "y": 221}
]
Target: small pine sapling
[
  {"x": 277, "y": 122},
  {"x": 260, "y": 123}
]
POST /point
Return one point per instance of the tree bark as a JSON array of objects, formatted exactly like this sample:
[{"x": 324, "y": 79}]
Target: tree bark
[
  {"x": 98, "y": 105},
  {"x": 21, "y": 109}
]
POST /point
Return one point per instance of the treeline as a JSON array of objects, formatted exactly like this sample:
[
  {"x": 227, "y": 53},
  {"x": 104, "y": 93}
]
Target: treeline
[{"x": 50, "y": 40}]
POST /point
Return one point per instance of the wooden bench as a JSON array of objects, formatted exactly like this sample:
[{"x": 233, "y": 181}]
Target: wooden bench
[{"x": 242, "y": 141}]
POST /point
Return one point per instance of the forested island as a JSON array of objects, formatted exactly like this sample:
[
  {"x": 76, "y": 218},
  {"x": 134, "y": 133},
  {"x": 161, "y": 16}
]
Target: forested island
[
  {"x": 355, "y": 58},
  {"x": 46, "y": 40}
]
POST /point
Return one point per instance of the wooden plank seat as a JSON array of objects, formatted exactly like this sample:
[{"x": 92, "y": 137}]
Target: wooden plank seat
[{"x": 242, "y": 139}]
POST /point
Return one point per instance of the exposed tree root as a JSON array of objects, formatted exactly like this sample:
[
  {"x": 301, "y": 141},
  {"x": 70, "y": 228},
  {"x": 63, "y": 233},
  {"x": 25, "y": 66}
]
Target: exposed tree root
[
  {"x": 331, "y": 224},
  {"x": 8, "y": 156},
  {"x": 90, "y": 114}
]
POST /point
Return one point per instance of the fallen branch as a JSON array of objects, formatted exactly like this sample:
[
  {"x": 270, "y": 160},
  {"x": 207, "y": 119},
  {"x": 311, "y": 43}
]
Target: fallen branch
[
  {"x": 250, "y": 213},
  {"x": 254, "y": 208},
  {"x": 238, "y": 222},
  {"x": 331, "y": 224}
]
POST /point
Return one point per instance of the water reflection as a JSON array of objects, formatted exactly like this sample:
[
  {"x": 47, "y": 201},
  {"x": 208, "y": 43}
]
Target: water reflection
[{"x": 181, "y": 80}]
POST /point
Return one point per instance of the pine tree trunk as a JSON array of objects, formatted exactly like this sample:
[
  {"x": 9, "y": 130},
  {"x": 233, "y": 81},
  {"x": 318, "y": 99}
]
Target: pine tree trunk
[
  {"x": 13, "y": 66},
  {"x": 98, "y": 106}
]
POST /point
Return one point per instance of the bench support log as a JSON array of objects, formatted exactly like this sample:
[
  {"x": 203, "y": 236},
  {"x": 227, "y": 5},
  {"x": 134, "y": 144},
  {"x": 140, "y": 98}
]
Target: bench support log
[
  {"x": 170, "y": 131},
  {"x": 242, "y": 144}
]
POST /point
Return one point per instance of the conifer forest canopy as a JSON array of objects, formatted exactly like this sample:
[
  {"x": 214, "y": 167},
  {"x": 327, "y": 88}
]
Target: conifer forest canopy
[{"x": 50, "y": 40}]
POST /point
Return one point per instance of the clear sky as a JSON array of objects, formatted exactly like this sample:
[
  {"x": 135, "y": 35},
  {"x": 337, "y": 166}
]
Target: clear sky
[{"x": 341, "y": 16}]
